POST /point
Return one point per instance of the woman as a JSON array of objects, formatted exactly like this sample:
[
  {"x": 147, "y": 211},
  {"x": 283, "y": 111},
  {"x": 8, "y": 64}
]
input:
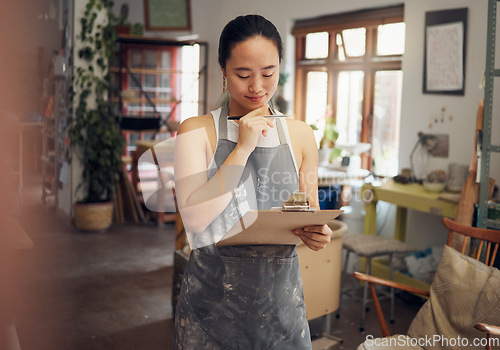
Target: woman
[{"x": 243, "y": 297}]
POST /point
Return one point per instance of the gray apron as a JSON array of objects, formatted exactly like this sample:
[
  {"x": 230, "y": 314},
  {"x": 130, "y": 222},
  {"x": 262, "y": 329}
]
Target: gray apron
[{"x": 245, "y": 297}]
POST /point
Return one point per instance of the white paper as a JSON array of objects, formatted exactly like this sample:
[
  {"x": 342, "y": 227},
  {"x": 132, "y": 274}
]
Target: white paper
[{"x": 444, "y": 59}]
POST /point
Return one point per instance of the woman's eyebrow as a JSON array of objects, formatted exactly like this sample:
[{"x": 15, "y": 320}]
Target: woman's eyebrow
[{"x": 239, "y": 69}]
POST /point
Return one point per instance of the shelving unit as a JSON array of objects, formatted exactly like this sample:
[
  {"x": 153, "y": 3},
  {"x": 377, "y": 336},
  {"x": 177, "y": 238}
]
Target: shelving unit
[
  {"x": 156, "y": 84},
  {"x": 486, "y": 146},
  {"x": 53, "y": 139},
  {"x": 154, "y": 80}
]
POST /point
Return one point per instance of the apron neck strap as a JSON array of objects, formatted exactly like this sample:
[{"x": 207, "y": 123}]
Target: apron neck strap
[
  {"x": 223, "y": 123},
  {"x": 279, "y": 125}
]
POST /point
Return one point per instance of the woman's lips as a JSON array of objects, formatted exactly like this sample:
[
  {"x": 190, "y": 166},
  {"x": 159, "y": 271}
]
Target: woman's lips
[{"x": 255, "y": 98}]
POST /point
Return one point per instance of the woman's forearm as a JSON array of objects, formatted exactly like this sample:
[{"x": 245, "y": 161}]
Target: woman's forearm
[{"x": 205, "y": 200}]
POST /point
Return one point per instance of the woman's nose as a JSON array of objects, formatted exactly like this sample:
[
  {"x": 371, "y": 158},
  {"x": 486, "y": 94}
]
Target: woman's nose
[{"x": 255, "y": 85}]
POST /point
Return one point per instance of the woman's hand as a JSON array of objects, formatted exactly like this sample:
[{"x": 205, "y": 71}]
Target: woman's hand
[
  {"x": 314, "y": 237},
  {"x": 251, "y": 125}
]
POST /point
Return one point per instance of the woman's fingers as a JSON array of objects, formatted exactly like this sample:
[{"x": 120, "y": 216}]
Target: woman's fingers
[
  {"x": 258, "y": 115},
  {"x": 315, "y": 237},
  {"x": 251, "y": 125},
  {"x": 250, "y": 128},
  {"x": 312, "y": 243},
  {"x": 258, "y": 124}
]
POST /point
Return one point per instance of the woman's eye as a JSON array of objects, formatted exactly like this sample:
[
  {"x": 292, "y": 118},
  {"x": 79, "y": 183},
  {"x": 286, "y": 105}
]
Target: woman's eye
[
  {"x": 243, "y": 77},
  {"x": 268, "y": 76}
]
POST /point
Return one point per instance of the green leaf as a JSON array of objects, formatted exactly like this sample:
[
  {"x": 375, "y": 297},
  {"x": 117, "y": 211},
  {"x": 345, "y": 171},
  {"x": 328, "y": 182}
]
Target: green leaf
[{"x": 93, "y": 133}]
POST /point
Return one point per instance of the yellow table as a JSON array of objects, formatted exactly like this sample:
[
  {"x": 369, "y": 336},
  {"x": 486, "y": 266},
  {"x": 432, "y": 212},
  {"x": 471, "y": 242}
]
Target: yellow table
[
  {"x": 405, "y": 196},
  {"x": 409, "y": 196}
]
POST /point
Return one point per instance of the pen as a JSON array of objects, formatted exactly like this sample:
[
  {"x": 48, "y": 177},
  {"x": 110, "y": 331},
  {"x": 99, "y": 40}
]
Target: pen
[{"x": 238, "y": 117}]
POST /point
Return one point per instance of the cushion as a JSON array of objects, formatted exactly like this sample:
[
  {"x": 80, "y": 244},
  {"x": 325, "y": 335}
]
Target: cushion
[
  {"x": 464, "y": 292},
  {"x": 371, "y": 245}
]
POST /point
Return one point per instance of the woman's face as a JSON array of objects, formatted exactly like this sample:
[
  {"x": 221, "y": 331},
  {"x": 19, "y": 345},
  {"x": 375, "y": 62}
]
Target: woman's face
[{"x": 252, "y": 73}]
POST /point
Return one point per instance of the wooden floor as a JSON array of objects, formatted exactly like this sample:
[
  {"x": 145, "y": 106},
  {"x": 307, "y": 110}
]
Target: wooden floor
[{"x": 113, "y": 290}]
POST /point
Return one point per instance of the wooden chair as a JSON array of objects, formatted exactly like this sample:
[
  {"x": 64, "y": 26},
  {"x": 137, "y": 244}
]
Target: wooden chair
[{"x": 484, "y": 249}]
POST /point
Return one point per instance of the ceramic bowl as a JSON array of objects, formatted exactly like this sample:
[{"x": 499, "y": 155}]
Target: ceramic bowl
[{"x": 434, "y": 186}]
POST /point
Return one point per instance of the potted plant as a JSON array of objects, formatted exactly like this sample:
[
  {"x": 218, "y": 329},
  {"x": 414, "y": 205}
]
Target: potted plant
[
  {"x": 330, "y": 134},
  {"x": 123, "y": 26},
  {"x": 328, "y": 153},
  {"x": 279, "y": 99},
  {"x": 94, "y": 134}
]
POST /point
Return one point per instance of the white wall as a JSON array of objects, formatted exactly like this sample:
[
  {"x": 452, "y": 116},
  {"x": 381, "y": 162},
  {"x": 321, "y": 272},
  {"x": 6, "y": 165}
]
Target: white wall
[
  {"x": 418, "y": 108},
  {"x": 210, "y": 16}
]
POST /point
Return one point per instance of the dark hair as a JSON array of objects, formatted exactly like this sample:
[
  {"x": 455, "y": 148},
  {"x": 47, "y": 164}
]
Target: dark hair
[{"x": 242, "y": 28}]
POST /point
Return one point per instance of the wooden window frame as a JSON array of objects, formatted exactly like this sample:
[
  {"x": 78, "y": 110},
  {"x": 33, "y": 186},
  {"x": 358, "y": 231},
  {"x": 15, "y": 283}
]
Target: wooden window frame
[{"x": 370, "y": 63}]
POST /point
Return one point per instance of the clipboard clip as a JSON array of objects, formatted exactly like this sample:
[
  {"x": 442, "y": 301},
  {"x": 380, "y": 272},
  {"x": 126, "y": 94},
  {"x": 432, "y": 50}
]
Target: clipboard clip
[{"x": 297, "y": 202}]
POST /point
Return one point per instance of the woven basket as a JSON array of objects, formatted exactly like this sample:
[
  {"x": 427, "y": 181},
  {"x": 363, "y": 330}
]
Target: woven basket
[{"x": 93, "y": 216}]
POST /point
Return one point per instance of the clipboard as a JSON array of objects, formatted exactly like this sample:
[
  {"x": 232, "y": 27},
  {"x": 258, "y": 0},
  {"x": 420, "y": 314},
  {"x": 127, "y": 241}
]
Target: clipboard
[{"x": 268, "y": 227}]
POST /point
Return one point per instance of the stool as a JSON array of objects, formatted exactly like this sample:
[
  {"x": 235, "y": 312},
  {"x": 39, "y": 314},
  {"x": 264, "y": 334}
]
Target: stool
[{"x": 368, "y": 247}]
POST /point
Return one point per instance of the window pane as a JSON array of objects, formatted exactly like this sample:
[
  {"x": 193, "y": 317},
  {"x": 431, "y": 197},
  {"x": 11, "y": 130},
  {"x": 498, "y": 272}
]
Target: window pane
[
  {"x": 386, "y": 116},
  {"x": 340, "y": 47},
  {"x": 164, "y": 80},
  {"x": 134, "y": 137},
  {"x": 349, "y": 106},
  {"x": 149, "y": 80},
  {"x": 149, "y": 95},
  {"x": 163, "y": 107},
  {"x": 354, "y": 41},
  {"x": 135, "y": 59},
  {"x": 150, "y": 59},
  {"x": 166, "y": 60},
  {"x": 317, "y": 85},
  {"x": 317, "y": 45},
  {"x": 134, "y": 81},
  {"x": 391, "y": 39},
  {"x": 190, "y": 82},
  {"x": 165, "y": 95}
]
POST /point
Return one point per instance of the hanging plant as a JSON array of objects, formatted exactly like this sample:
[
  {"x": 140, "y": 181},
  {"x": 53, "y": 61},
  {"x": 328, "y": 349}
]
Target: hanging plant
[{"x": 94, "y": 134}]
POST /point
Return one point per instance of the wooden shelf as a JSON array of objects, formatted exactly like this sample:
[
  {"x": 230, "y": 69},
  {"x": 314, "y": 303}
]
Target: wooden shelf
[
  {"x": 145, "y": 100},
  {"x": 147, "y": 71},
  {"x": 53, "y": 141},
  {"x": 163, "y": 95}
]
